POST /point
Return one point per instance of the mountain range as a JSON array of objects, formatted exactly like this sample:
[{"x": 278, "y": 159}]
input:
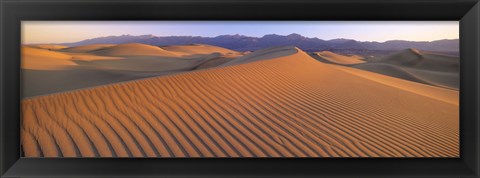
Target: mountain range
[{"x": 247, "y": 43}]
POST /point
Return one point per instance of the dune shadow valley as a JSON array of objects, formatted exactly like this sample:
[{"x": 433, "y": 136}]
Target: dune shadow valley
[{"x": 202, "y": 101}]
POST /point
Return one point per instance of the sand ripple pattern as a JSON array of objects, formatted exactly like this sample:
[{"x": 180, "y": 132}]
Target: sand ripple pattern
[{"x": 291, "y": 106}]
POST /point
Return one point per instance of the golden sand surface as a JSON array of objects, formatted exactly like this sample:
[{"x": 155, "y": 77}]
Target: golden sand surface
[{"x": 282, "y": 103}]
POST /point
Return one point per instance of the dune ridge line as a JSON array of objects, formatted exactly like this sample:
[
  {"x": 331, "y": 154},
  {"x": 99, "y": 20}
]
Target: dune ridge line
[{"x": 282, "y": 106}]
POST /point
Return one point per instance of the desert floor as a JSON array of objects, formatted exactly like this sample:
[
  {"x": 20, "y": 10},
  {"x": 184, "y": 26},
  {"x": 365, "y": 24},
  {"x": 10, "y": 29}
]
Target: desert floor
[{"x": 136, "y": 100}]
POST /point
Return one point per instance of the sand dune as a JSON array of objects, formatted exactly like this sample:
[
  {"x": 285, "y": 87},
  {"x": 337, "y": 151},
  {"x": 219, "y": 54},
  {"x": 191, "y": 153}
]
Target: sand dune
[
  {"x": 441, "y": 79},
  {"x": 357, "y": 57},
  {"x": 134, "y": 49},
  {"x": 268, "y": 53},
  {"x": 330, "y": 57},
  {"x": 41, "y": 59},
  {"x": 441, "y": 94},
  {"x": 215, "y": 62},
  {"x": 278, "y": 102},
  {"x": 80, "y": 67},
  {"x": 45, "y": 82},
  {"x": 49, "y": 46},
  {"x": 149, "y": 64},
  {"x": 420, "y": 60},
  {"x": 87, "y": 48},
  {"x": 81, "y": 57},
  {"x": 423, "y": 67},
  {"x": 195, "y": 49}
]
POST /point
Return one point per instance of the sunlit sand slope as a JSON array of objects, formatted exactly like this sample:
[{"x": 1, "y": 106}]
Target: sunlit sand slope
[
  {"x": 40, "y": 59},
  {"x": 290, "y": 106},
  {"x": 48, "y": 46},
  {"x": 57, "y": 69}
]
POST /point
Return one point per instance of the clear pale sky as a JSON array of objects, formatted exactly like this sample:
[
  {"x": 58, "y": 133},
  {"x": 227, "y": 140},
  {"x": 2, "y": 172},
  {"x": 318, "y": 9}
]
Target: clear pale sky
[{"x": 72, "y": 31}]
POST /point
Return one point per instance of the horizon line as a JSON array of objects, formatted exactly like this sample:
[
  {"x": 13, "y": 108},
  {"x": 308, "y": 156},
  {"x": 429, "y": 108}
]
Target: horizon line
[{"x": 237, "y": 34}]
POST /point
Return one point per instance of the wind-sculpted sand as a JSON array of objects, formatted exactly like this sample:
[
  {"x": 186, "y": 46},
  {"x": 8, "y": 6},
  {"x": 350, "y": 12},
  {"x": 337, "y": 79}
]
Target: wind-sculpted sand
[
  {"x": 330, "y": 57},
  {"x": 48, "y": 69},
  {"x": 40, "y": 59},
  {"x": 418, "y": 66},
  {"x": 48, "y": 47},
  {"x": 282, "y": 103},
  {"x": 87, "y": 48},
  {"x": 198, "y": 49}
]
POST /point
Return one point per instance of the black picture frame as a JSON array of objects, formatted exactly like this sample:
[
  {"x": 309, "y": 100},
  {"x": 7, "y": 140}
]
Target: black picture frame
[{"x": 12, "y": 12}]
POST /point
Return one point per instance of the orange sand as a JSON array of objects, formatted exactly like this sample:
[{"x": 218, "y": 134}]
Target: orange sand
[
  {"x": 288, "y": 105},
  {"x": 48, "y": 69}
]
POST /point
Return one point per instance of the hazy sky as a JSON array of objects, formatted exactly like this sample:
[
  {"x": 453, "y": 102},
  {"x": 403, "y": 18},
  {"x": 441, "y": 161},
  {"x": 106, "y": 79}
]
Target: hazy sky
[{"x": 72, "y": 31}]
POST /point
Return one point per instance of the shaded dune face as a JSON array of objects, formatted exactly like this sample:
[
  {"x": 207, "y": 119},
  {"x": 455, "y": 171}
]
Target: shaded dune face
[
  {"x": 418, "y": 66},
  {"x": 134, "y": 49},
  {"x": 49, "y": 47},
  {"x": 424, "y": 60},
  {"x": 287, "y": 106},
  {"x": 59, "y": 69},
  {"x": 330, "y": 57},
  {"x": 264, "y": 54},
  {"x": 198, "y": 49},
  {"x": 87, "y": 48}
]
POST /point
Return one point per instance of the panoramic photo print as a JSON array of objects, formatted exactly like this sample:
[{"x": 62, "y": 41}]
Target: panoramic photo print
[{"x": 240, "y": 89}]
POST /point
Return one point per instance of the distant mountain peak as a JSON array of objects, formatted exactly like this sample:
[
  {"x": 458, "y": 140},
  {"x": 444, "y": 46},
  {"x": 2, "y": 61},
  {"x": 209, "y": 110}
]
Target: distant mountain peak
[
  {"x": 148, "y": 36},
  {"x": 340, "y": 40},
  {"x": 233, "y": 36},
  {"x": 270, "y": 35},
  {"x": 295, "y": 35},
  {"x": 247, "y": 43}
]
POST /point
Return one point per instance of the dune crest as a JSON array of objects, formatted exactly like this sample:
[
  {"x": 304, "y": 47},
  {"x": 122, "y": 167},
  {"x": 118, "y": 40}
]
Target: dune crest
[
  {"x": 331, "y": 57},
  {"x": 87, "y": 48},
  {"x": 49, "y": 46},
  {"x": 268, "y": 53},
  {"x": 278, "y": 102},
  {"x": 134, "y": 49},
  {"x": 195, "y": 49},
  {"x": 418, "y": 66},
  {"x": 94, "y": 65},
  {"x": 42, "y": 59}
]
